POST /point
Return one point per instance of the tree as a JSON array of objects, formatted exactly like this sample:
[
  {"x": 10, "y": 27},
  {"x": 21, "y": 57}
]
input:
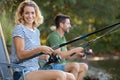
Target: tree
[{"x": 86, "y": 16}]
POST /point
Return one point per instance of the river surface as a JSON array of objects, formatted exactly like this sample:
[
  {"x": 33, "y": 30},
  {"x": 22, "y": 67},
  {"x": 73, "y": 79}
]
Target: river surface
[{"x": 110, "y": 65}]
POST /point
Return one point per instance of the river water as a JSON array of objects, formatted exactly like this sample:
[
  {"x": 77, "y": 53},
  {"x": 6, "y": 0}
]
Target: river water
[{"x": 109, "y": 65}]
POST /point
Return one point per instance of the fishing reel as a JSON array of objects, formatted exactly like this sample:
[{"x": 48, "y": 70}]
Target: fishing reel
[
  {"x": 88, "y": 52},
  {"x": 54, "y": 58}
]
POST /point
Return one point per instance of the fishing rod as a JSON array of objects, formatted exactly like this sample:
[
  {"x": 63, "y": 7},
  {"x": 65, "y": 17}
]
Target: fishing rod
[
  {"x": 99, "y": 37},
  {"x": 57, "y": 58},
  {"x": 88, "y": 43},
  {"x": 71, "y": 41}
]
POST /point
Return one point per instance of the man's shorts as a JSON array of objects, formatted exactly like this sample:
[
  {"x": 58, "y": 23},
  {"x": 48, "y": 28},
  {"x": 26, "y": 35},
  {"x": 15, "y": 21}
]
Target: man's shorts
[{"x": 55, "y": 66}]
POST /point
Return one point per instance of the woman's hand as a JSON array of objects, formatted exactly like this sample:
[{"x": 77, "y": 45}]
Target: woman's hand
[
  {"x": 46, "y": 49},
  {"x": 44, "y": 57}
]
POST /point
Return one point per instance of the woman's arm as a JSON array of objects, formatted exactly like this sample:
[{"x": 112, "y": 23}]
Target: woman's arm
[{"x": 22, "y": 53}]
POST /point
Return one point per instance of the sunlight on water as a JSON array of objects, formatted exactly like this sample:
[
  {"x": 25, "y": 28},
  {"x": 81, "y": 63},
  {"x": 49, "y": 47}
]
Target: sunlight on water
[{"x": 103, "y": 58}]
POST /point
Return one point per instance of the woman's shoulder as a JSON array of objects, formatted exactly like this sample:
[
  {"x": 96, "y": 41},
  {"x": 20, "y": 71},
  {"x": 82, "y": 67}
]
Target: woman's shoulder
[
  {"x": 18, "y": 31},
  {"x": 19, "y": 26}
]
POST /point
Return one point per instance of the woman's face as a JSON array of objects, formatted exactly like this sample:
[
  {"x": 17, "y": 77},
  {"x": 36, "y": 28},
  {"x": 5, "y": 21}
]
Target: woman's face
[{"x": 29, "y": 15}]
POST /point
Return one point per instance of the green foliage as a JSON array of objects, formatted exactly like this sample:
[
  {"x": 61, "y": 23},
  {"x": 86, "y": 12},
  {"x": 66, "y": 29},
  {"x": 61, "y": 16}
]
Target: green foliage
[
  {"x": 7, "y": 13},
  {"x": 7, "y": 26},
  {"x": 86, "y": 16}
]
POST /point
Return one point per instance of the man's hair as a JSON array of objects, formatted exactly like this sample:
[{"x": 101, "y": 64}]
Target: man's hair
[{"x": 60, "y": 18}]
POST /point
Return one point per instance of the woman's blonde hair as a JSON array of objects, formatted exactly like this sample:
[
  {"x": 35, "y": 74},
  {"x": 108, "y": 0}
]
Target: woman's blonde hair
[{"x": 18, "y": 17}]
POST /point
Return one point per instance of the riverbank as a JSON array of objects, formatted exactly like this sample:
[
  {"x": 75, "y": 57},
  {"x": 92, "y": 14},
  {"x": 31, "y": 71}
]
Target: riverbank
[
  {"x": 103, "y": 68},
  {"x": 97, "y": 74}
]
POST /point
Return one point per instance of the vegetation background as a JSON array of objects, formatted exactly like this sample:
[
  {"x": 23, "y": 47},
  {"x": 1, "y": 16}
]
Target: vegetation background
[{"x": 86, "y": 17}]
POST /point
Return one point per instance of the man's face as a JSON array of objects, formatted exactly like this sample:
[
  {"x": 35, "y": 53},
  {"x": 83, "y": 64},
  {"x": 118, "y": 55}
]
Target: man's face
[{"x": 66, "y": 25}]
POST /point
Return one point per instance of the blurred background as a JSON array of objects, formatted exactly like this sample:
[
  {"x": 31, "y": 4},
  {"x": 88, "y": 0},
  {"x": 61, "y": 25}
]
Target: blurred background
[{"x": 86, "y": 17}]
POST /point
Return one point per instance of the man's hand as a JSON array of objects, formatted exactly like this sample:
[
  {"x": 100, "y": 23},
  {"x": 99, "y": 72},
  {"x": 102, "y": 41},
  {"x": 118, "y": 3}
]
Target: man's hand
[{"x": 80, "y": 52}]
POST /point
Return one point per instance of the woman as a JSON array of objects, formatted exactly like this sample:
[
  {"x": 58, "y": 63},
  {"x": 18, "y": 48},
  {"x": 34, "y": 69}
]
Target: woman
[{"x": 26, "y": 43}]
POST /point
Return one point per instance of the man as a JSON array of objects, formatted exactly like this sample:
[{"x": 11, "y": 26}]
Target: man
[{"x": 57, "y": 37}]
